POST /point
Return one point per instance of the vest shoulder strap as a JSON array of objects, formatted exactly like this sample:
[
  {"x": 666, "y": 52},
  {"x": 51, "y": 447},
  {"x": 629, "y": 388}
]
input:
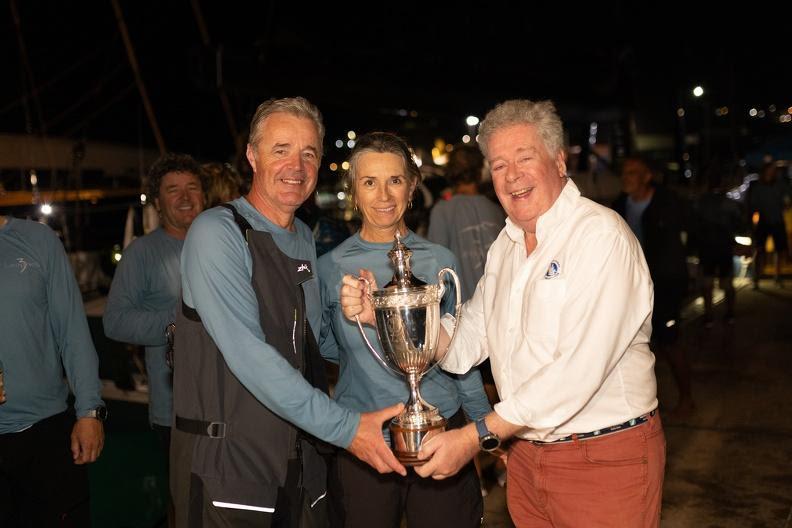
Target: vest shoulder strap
[{"x": 240, "y": 220}]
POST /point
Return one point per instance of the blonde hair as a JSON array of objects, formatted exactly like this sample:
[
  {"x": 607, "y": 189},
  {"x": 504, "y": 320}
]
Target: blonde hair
[{"x": 224, "y": 183}]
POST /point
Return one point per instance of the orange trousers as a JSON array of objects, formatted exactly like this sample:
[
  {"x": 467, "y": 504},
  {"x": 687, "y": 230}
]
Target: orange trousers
[{"x": 610, "y": 481}]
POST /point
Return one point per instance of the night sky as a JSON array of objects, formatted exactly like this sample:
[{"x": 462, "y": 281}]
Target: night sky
[{"x": 414, "y": 68}]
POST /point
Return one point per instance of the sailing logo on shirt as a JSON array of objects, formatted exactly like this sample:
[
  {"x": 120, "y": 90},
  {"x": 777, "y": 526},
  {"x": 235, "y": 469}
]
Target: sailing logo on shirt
[
  {"x": 303, "y": 267},
  {"x": 553, "y": 270},
  {"x": 22, "y": 263}
]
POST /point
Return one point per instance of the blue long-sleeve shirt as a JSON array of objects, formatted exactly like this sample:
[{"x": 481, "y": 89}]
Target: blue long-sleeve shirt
[
  {"x": 142, "y": 302},
  {"x": 363, "y": 383},
  {"x": 43, "y": 329},
  {"x": 216, "y": 268}
]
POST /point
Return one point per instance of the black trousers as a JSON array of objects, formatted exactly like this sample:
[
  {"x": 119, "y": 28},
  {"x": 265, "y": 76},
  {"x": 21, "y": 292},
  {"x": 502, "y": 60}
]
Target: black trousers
[
  {"x": 363, "y": 498},
  {"x": 164, "y": 438},
  {"x": 40, "y": 485},
  {"x": 194, "y": 508}
]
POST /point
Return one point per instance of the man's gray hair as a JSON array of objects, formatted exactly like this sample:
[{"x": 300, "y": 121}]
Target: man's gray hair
[
  {"x": 296, "y": 106},
  {"x": 541, "y": 114}
]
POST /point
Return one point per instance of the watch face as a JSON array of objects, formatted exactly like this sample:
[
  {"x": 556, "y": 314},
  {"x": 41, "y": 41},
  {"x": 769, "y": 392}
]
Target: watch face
[{"x": 488, "y": 443}]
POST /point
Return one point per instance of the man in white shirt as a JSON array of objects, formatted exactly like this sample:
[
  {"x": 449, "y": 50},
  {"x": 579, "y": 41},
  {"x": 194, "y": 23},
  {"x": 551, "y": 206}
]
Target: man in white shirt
[{"x": 563, "y": 311}]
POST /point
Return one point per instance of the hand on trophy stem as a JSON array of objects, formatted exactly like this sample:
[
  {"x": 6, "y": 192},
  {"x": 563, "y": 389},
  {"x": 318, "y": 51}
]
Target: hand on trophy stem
[
  {"x": 448, "y": 452},
  {"x": 354, "y": 298},
  {"x": 369, "y": 444}
]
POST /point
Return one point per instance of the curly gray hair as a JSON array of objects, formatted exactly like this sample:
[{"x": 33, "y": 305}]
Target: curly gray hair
[{"x": 541, "y": 114}]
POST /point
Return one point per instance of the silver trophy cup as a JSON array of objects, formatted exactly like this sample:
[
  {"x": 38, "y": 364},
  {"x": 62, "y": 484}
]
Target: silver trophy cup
[{"x": 407, "y": 315}]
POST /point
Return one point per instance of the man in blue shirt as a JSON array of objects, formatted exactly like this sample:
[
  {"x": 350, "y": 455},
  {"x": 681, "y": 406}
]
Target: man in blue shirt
[
  {"x": 144, "y": 295},
  {"x": 250, "y": 402},
  {"x": 43, "y": 450},
  {"x": 658, "y": 218}
]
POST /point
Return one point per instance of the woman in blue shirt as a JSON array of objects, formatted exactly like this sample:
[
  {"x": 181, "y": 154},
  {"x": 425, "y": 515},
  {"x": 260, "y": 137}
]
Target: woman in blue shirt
[{"x": 381, "y": 180}]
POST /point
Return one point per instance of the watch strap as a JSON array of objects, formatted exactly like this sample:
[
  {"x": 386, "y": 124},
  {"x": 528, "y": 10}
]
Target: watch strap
[{"x": 481, "y": 428}]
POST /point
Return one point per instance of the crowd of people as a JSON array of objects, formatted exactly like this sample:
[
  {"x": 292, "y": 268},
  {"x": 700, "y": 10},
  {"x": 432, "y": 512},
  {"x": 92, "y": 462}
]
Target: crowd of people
[{"x": 566, "y": 302}]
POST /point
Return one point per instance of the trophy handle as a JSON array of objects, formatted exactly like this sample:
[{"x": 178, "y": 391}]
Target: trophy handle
[
  {"x": 457, "y": 307},
  {"x": 365, "y": 338}
]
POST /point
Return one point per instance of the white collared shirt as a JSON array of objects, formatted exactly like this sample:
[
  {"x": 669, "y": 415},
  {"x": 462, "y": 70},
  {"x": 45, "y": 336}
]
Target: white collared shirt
[{"x": 566, "y": 328}]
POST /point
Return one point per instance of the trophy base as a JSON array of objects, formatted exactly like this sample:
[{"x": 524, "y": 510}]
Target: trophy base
[{"x": 407, "y": 441}]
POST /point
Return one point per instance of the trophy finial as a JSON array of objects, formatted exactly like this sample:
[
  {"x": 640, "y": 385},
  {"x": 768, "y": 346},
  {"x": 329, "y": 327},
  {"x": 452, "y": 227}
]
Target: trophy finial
[{"x": 400, "y": 258}]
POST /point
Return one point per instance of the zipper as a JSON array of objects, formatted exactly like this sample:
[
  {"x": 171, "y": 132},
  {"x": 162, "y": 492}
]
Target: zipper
[
  {"x": 301, "y": 312},
  {"x": 294, "y": 333}
]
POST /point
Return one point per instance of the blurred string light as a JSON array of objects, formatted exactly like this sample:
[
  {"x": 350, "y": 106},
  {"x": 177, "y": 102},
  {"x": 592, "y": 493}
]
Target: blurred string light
[
  {"x": 33, "y": 178},
  {"x": 417, "y": 159},
  {"x": 472, "y": 120},
  {"x": 752, "y": 112},
  {"x": 593, "y": 133},
  {"x": 46, "y": 209},
  {"x": 339, "y": 143},
  {"x": 722, "y": 111},
  {"x": 341, "y": 195},
  {"x": 439, "y": 153},
  {"x": 771, "y": 108},
  {"x": 698, "y": 91},
  {"x": 743, "y": 240},
  {"x": 351, "y": 134},
  {"x": 351, "y": 143},
  {"x": 784, "y": 118},
  {"x": 345, "y": 165},
  {"x": 680, "y": 112},
  {"x": 465, "y": 139},
  {"x": 116, "y": 254},
  {"x": 334, "y": 167},
  {"x": 143, "y": 198}
]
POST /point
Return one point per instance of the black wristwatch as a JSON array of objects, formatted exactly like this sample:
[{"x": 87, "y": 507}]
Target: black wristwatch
[
  {"x": 100, "y": 413},
  {"x": 488, "y": 441}
]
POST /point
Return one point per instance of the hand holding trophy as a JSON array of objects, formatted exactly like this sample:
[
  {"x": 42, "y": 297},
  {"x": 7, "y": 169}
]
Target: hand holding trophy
[{"x": 407, "y": 320}]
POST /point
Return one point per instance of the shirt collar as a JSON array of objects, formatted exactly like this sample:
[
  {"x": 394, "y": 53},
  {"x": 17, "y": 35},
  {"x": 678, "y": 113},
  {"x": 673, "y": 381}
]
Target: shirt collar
[{"x": 559, "y": 211}]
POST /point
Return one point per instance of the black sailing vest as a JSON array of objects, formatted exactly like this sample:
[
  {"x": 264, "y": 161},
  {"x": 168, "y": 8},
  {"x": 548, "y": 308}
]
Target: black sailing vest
[{"x": 242, "y": 448}]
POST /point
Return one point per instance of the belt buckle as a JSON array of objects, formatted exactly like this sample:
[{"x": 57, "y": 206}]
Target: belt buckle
[{"x": 216, "y": 430}]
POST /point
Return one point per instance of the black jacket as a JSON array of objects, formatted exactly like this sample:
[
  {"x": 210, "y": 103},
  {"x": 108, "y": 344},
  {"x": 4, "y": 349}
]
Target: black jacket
[{"x": 663, "y": 222}]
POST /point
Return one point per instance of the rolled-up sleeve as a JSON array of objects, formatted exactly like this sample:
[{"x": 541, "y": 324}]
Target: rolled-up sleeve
[
  {"x": 469, "y": 345},
  {"x": 603, "y": 310}
]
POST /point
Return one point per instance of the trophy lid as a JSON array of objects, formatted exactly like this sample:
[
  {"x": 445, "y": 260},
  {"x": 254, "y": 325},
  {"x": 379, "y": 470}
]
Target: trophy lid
[{"x": 402, "y": 275}]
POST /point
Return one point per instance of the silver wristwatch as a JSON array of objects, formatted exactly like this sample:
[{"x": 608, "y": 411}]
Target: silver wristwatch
[{"x": 100, "y": 413}]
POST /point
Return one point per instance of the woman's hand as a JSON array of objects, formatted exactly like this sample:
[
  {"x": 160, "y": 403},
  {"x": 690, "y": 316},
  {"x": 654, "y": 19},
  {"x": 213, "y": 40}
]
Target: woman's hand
[{"x": 354, "y": 298}]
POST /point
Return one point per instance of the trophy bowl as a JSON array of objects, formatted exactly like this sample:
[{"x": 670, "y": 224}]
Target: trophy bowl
[{"x": 407, "y": 320}]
